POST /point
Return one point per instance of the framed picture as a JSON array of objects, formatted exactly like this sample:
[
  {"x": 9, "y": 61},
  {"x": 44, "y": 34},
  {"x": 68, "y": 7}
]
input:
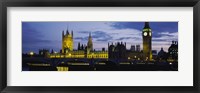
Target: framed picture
[{"x": 100, "y": 46}]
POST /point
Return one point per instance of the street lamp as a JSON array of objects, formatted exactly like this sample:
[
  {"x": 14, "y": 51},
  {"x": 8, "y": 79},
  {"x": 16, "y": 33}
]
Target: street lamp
[{"x": 31, "y": 53}]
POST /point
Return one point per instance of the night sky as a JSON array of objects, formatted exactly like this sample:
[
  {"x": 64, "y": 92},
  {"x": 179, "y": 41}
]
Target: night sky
[{"x": 48, "y": 35}]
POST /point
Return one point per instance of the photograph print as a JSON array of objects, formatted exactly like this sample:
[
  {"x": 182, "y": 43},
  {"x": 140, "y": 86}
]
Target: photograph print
[{"x": 99, "y": 46}]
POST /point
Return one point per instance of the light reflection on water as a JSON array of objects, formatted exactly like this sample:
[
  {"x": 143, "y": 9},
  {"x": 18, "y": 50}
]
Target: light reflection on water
[{"x": 62, "y": 68}]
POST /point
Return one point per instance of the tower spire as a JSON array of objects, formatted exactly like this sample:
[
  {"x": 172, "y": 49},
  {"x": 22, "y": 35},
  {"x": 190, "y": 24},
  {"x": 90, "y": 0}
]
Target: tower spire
[
  {"x": 62, "y": 33},
  {"x": 79, "y": 46},
  {"x": 90, "y": 35},
  {"x": 67, "y": 32},
  {"x": 72, "y": 33},
  {"x": 90, "y": 44}
]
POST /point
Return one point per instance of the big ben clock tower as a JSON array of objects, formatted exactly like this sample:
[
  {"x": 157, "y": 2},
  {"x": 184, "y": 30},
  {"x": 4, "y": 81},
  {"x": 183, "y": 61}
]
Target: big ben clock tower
[{"x": 147, "y": 37}]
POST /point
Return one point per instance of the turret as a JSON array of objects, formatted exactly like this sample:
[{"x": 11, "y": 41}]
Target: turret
[
  {"x": 79, "y": 46},
  {"x": 72, "y": 33},
  {"x": 90, "y": 35},
  {"x": 52, "y": 51},
  {"x": 63, "y": 34},
  {"x": 67, "y": 32},
  {"x": 82, "y": 47},
  {"x": 176, "y": 42}
]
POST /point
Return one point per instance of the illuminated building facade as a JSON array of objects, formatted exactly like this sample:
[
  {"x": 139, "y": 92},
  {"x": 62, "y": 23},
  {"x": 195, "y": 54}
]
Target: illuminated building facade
[
  {"x": 98, "y": 54},
  {"x": 147, "y": 45},
  {"x": 115, "y": 51},
  {"x": 82, "y": 51},
  {"x": 67, "y": 42}
]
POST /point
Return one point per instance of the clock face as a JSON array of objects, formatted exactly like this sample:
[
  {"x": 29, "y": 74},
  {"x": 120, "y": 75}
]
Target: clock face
[
  {"x": 149, "y": 33},
  {"x": 145, "y": 33}
]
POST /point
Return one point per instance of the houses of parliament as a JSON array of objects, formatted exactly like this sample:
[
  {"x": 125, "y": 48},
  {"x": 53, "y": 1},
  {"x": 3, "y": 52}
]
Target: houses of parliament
[
  {"x": 82, "y": 51},
  {"x": 116, "y": 50}
]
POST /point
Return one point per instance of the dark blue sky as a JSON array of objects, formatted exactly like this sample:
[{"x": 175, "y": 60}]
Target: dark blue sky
[{"x": 39, "y": 35}]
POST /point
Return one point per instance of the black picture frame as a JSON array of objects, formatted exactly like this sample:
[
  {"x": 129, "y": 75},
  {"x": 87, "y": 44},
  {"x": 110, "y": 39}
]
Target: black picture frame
[{"x": 101, "y": 3}]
